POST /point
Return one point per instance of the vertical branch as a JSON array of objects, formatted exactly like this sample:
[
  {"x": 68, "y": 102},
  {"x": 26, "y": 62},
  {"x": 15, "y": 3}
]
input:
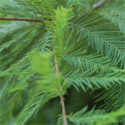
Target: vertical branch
[
  {"x": 61, "y": 97},
  {"x": 57, "y": 69},
  {"x": 63, "y": 110}
]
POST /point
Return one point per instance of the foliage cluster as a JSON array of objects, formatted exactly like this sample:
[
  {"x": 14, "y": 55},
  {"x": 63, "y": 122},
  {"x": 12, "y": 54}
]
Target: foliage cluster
[{"x": 76, "y": 46}]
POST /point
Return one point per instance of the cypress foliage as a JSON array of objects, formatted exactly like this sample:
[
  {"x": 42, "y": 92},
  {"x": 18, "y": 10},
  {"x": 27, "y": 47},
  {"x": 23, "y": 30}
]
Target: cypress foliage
[{"x": 49, "y": 47}]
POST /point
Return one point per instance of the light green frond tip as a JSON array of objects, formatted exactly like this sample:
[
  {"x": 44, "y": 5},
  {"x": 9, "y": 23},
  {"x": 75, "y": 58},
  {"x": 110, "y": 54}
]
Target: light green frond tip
[
  {"x": 112, "y": 118},
  {"x": 41, "y": 63},
  {"x": 59, "y": 26},
  {"x": 63, "y": 15},
  {"x": 50, "y": 82}
]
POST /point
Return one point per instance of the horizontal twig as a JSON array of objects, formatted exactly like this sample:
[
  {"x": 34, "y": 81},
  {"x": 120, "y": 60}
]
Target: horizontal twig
[
  {"x": 20, "y": 19},
  {"x": 96, "y": 6}
]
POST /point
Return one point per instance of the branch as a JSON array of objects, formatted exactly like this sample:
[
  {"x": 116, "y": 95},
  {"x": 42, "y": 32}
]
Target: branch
[
  {"x": 20, "y": 19},
  {"x": 57, "y": 69},
  {"x": 100, "y": 3},
  {"x": 96, "y": 6},
  {"x": 63, "y": 110},
  {"x": 61, "y": 97}
]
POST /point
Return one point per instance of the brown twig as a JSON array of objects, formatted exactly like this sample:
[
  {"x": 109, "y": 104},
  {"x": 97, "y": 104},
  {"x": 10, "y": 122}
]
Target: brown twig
[
  {"x": 96, "y": 6},
  {"x": 20, "y": 19},
  {"x": 63, "y": 110},
  {"x": 99, "y": 4},
  {"x": 61, "y": 97}
]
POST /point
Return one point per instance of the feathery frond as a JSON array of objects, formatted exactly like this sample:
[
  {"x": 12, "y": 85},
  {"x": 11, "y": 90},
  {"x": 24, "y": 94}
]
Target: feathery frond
[
  {"x": 90, "y": 118},
  {"x": 73, "y": 44},
  {"x": 32, "y": 107},
  {"x": 91, "y": 78},
  {"x": 101, "y": 35},
  {"x": 59, "y": 26}
]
